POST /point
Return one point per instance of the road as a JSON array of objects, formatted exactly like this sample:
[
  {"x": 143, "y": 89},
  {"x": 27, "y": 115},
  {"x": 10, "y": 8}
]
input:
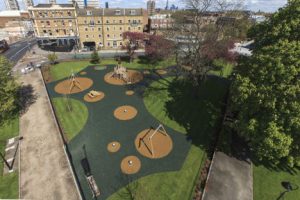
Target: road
[{"x": 17, "y": 50}]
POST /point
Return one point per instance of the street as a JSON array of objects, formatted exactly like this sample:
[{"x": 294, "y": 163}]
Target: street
[{"x": 17, "y": 50}]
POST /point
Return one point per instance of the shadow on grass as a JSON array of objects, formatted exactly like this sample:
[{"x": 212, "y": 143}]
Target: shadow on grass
[{"x": 200, "y": 116}]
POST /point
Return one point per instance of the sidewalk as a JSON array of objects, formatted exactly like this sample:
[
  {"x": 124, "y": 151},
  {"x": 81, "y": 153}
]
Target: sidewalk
[
  {"x": 230, "y": 179},
  {"x": 44, "y": 169}
]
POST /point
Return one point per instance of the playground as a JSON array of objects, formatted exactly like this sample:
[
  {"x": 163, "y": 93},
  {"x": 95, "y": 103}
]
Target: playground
[{"x": 120, "y": 136}]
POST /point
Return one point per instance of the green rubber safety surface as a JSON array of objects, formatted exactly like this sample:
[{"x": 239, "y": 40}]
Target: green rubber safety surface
[{"x": 102, "y": 128}]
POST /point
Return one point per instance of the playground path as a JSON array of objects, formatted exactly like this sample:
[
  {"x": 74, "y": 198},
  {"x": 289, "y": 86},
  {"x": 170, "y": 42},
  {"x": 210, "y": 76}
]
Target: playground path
[
  {"x": 44, "y": 169},
  {"x": 230, "y": 179}
]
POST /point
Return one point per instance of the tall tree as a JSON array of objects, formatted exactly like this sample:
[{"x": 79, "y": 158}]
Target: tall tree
[
  {"x": 133, "y": 41},
  {"x": 8, "y": 90},
  {"x": 52, "y": 58},
  {"x": 202, "y": 36},
  {"x": 266, "y": 90}
]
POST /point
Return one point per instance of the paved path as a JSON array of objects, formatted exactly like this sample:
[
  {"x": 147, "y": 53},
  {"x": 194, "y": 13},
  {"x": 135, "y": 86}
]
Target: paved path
[
  {"x": 44, "y": 169},
  {"x": 230, "y": 179}
]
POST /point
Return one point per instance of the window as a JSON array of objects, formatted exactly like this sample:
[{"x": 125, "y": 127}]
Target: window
[
  {"x": 129, "y": 21},
  {"x": 121, "y": 43},
  {"x": 99, "y": 29},
  {"x": 92, "y": 23},
  {"x": 85, "y": 21},
  {"x": 129, "y": 28},
  {"x": 92, "y": 29},
  {"x": 48, "y": 23},
  {"x": 42, "y": 22},
  {"x": 118, "y": 12},
  {"x": 121, "y": 21},
  {"x": 108, "y": 35},
  {"x": 107, "y": 28},
  {"x": 86, "y": 29},
  {"x": 44, "y": 31},
  {"x": 69, "y": 20},
  {"x": 108, "y": 44},
  {"x": 69, "y": 13},
  {"x": 99, "y": 22},
  {"x": 114, "y": 28},
  {"x": 107, "y": 21},
  {"x": 120, "y": 28},
  {"x": 121, "y": 35},
  {"x": 139, "y": 21},
  {"x": 139, "y": 28},
  {"x": 100, "y": 36},
  {"x": 132, "y": 12},
  {"x": 87, "y": 36},
  {"x": 88, "y": 12},
  {"x": 115, "y": 43}
]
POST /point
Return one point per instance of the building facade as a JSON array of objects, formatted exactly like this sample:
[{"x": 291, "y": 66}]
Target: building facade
[
  {"x": 104, "y": 28},
  {"x": 161, "y": 21},
  {"x": 151, "y": 7},
  {"x": 87, "y": 3},
  {"x": 11, "y": 4},
  {"x": 55, "y": 25}
]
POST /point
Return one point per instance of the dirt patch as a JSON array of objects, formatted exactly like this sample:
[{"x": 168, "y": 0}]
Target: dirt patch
[
  {"x": 64, "y": 87},
  {"x": 113, "y": 147},
  {"x": 129, "y": 92},
  {"x": 82, "y": 73},
  {"x": 46, "y": 74},
  {"x": 130, "y": 165},
  {"x": 133, "y": 77},
  {"x": 161, "y": 72},
  {"x": 90, "y": 99},
  {"x": 125, "y": 112},
  {"x": 157, "y": 146}
]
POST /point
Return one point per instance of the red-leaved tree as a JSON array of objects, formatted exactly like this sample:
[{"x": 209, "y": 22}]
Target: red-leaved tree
[
  {"x": 133, "y": 41},
  {"x": 158, "y": 48}
]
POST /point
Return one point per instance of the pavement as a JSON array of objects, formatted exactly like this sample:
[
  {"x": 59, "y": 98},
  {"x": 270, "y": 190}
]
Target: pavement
[
  {"x": 17, "y": 50},
  {"x": 44, "y": 169},
  {"x": 230, "y": 179}
]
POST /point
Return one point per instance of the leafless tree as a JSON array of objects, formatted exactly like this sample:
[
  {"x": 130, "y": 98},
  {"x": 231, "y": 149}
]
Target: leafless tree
[{"x": 201, "y": 34}]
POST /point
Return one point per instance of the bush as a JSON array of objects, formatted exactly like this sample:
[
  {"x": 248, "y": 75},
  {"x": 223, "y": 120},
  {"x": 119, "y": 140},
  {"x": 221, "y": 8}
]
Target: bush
[{"x": 95, "y": 57}]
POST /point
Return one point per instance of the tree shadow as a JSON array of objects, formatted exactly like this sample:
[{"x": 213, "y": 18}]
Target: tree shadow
[
  {"x": 27, "y": 97},
  {"x": 199, "y": 116}
]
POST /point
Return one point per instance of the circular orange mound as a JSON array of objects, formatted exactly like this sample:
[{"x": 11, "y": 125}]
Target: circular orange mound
[
  {"x": 130, "y": 165},
  {"x": 87, "y": 98},
  {"x": 113, "y": 147},
  {"x": 134, "y": 77},
  {"x": 64, "y": 86},
  {"x": 161, "y": 72},
  {"x": 83, "y": 73},
  {"x": 159, "y": 146},
  {"x": 129, "y": 92},
  {"x": 125, "y": 112}
]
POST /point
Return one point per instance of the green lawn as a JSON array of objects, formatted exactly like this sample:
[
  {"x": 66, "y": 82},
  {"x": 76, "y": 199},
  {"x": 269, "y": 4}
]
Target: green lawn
[
  {"x": 225, "y": 68},
  {"x": 72, "y": 120},
  {"x": 171, "y": 103},
  {"x": 8, "y": 183},
  {"x": 64, "y": 69},
  {"x": 267, "y": 183}
]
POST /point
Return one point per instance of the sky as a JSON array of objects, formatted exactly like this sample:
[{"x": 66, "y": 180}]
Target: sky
[{"x": 254, "y": 5}]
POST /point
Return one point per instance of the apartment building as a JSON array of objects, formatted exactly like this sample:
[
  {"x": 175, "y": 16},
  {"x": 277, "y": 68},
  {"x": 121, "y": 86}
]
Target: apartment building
[
  {"x": 55, "y": 24},
  {"x": 103, "y": 28}
]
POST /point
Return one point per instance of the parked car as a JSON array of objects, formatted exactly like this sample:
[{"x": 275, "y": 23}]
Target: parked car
[{"x": 27, "y": 69}]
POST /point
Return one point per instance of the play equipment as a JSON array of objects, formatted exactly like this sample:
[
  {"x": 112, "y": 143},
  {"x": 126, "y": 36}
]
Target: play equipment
[
  {"x": 121, "y": 72},
  {"x": 159, "y": 130},
  {"x": 74, "y": 83},
  {"x": 93, "y": 94}
]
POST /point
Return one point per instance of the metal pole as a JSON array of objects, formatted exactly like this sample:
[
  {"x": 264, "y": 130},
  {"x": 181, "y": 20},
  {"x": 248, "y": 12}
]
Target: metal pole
[{"x": 5, "y": 161}]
